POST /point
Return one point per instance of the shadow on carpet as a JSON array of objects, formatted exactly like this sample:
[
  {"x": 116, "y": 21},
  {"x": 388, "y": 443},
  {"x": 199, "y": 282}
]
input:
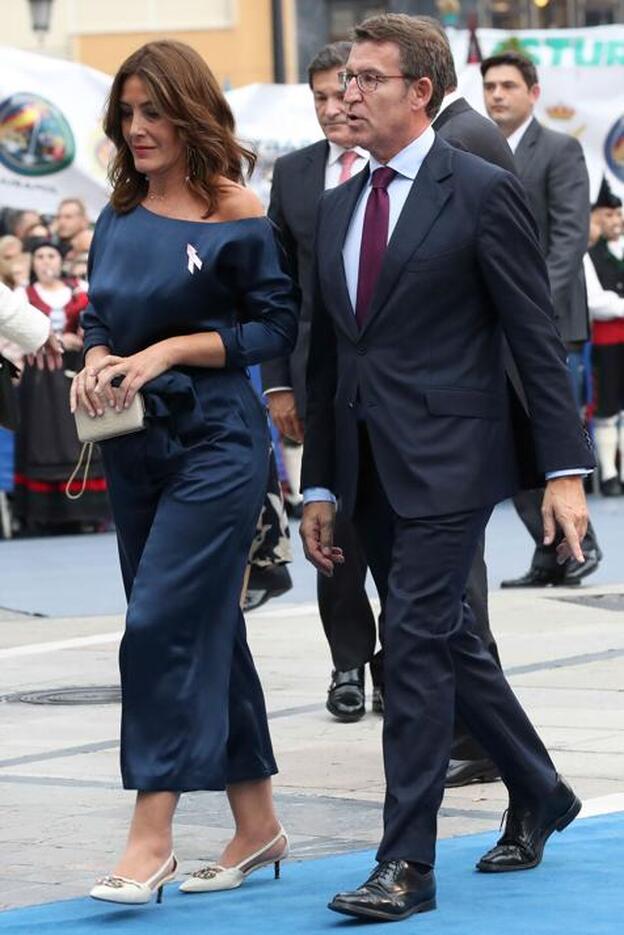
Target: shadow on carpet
[{"x": 578, "y": 890}]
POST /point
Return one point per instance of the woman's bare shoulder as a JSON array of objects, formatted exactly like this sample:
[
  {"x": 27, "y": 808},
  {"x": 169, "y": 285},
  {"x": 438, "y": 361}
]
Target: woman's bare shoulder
[{"x": 237, "y": 202}]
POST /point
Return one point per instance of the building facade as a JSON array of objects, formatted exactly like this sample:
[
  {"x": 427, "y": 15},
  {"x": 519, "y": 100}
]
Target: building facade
[{"x": 234, "y": 36}]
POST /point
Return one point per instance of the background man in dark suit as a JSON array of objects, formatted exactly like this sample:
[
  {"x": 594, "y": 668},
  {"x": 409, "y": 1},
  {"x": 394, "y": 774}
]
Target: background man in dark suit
[
  {"x": 552, "y": 169},
  {"x": 299, "y": 180},
  {"x": 463, "y": 127},
  {"x": 409, "y": 422}
]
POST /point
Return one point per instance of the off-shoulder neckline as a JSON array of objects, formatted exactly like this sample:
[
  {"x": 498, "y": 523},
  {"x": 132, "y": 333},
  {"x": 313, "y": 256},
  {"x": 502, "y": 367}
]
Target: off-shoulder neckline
[{"x": 165, "y": 217}]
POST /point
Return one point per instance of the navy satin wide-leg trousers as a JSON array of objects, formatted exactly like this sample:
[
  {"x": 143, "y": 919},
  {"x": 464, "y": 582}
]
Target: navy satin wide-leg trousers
[{"x": 185, "y": 508}]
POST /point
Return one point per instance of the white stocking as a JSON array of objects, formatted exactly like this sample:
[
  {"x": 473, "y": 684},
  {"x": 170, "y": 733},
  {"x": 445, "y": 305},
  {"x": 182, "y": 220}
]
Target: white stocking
[
  {"x": 621, "y": 446},
  {"x": 606, "y": 438}
]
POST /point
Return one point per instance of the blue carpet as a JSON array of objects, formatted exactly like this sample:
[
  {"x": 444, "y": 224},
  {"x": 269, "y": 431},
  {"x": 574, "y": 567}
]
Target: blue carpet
[{"x": 578, "y": 890}]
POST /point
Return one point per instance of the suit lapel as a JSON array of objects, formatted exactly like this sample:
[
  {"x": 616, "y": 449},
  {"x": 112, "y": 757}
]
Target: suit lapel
[
  {"x": 342, "y": 205},
  {"x": 524, "y": 153},
  {"x": 430, "y": 191},
  {"x": 310, "y": 180}
]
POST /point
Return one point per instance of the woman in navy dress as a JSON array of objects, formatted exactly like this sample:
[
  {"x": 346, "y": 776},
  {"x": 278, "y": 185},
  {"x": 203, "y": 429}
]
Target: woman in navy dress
[{"x": 187, "y": 289}]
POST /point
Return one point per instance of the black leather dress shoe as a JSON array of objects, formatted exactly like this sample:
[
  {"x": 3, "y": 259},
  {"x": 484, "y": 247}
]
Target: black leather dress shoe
[
  {"x": 378, "y": 700},
  {"x": 540, "y": 578},
  {"x": 394, "y": 891},
  {"x": 574, "y": 571},
  {"x": 528, "y": 828},
  {"x": 345, "y": 698},
  {"x": 465, "y": 772}
]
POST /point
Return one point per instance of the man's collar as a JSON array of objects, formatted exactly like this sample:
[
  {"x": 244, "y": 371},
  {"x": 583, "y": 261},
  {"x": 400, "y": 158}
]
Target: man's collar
[
  {"x": 516, "y": 136},
  {"x": 449, "y": 99},
  {"x": 336, "y": 151},
  {"x": 408, "y": 161}
]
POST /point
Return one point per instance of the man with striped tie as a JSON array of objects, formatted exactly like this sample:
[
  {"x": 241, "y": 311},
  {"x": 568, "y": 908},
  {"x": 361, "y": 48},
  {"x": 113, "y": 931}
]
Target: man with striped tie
[{"x": 299, "y": 180}]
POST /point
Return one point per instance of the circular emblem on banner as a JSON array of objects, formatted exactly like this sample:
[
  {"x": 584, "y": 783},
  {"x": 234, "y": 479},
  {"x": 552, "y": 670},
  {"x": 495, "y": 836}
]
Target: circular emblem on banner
[
  {"x": 614, "y": 148},
  {"x": 35, "y": 137}
]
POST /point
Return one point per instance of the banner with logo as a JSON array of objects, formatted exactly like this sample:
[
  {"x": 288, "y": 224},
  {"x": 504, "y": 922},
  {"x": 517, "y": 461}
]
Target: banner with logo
[
  {"x": 51, "y": 140},
  {"x": 581, "y": 75}
]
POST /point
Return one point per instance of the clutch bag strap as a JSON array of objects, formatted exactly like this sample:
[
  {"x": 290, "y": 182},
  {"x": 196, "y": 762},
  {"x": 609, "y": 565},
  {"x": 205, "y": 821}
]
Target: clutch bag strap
[{"x": 87, "y": 449}]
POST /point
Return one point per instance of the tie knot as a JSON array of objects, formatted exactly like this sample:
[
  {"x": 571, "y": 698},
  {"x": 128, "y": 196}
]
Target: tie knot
[
  {"x": 381, "y": 178},
  {"x": 347, "y": 158}
]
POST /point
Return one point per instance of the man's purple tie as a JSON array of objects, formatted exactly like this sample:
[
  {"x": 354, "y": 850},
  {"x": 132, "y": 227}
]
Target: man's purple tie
[{"x": 374, "y": 241}]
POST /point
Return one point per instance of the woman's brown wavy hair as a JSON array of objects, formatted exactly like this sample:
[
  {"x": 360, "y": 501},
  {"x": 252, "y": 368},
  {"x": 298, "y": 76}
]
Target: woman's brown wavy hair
[{"x": 185, "y": 91}]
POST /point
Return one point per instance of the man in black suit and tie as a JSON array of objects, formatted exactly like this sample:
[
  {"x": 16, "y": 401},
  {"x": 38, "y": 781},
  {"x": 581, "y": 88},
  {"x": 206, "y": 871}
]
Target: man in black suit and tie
[
  {"x": 411, "y": 424},
  {"x": 551, "y": 166},
  {"x": 299, "y": 180}
]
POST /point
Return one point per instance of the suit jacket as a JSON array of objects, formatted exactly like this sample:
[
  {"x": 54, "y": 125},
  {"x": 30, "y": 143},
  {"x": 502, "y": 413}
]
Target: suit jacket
[
  {"x": 298, "y": 183},
  {"x": 552, "y": 169},
  {"x": 425, "y": 371},
  {"x": 463, "y": 127}
]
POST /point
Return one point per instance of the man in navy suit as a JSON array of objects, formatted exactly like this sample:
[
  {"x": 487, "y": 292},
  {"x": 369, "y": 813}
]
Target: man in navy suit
[{"x": 424, "y": 261}]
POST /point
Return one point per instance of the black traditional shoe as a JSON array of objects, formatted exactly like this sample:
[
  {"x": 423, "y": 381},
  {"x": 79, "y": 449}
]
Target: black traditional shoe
[
  {"x": 345, "y": 698},
  {"x": 265, "y": 583},
  {"x": 574, "y": 571},
  {"x": 394, "y": 891},
  {"x": 528, "y": 828},
  {"x": 540, "y": 578},
  {"x": 378, "y": 700},
  {"x": 611, "y": 487},
  {"x": 465, "y": 772}
]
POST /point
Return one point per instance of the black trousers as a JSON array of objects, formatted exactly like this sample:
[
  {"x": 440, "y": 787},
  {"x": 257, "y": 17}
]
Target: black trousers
[
  {"x": 350, "y": 626},
  {"x": 433, "y": 660},
  {"x": 528, "y": 504}
]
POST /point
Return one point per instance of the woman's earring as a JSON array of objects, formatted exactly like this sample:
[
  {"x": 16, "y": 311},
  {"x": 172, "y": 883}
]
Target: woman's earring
[{"x": 191, "y": 163}]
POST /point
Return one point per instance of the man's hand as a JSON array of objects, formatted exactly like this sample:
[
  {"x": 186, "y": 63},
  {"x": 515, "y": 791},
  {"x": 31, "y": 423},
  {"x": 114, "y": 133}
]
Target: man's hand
[
  {"x": 283, "y": 411},
  {"x": 317, "y": 534},
  {"x": 565, "y": 505}
]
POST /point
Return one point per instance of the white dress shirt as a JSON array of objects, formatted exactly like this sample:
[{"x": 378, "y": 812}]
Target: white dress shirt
[
  {"x": 516, "y": 136},
  {"x": 406, "y": 164},
  {"x": 333, "y": 166}
]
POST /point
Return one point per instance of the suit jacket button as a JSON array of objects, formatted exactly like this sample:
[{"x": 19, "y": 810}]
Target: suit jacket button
[
  {"x": 350, "y": 404},
  {"x": 362, "y": 349}
]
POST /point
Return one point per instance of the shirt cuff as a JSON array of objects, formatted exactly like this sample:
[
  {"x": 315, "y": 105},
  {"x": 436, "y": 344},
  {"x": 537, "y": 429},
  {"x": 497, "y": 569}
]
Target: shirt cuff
[
  {"x": 318, "y": 495},
  {"x": 277, "y": 389},
  {"x": 570, "y": 472}
]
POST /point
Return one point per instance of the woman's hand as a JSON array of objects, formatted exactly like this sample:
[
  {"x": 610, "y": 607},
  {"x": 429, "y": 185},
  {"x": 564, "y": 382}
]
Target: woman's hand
[
  {"x": 82, "y": 393},
  {"x": 136, "y": 370}
]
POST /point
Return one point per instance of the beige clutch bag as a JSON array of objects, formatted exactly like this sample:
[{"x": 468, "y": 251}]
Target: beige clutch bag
[
  {"x": 91, "y": 430},
  {"x": 112, "y": 423}
]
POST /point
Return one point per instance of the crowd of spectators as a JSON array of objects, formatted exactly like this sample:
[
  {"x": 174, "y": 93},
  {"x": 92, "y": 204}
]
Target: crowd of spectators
[{"x": 44, "y": 259}]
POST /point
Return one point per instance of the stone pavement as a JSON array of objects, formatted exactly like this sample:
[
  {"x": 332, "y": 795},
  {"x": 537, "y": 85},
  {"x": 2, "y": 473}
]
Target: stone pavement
[{"x": 63, "y": 816}]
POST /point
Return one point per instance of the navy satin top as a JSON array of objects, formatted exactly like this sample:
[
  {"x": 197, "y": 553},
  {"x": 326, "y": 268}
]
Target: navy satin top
[{"x": 153, "y": 277}]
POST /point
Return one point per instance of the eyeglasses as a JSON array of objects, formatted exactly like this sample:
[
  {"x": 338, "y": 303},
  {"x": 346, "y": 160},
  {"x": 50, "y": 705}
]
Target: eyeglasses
[{"x": 367, "y": 81}]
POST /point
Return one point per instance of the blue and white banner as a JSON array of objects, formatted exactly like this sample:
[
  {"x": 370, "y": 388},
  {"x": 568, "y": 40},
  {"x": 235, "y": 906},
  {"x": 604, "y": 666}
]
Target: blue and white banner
[{"x": 51, "y": 141}]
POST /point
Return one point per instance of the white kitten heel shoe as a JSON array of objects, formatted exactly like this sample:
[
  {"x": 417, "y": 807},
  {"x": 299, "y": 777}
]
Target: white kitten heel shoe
[
  {"x": 214, "y": 877},
  {"x": 132, "y": 893}
]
